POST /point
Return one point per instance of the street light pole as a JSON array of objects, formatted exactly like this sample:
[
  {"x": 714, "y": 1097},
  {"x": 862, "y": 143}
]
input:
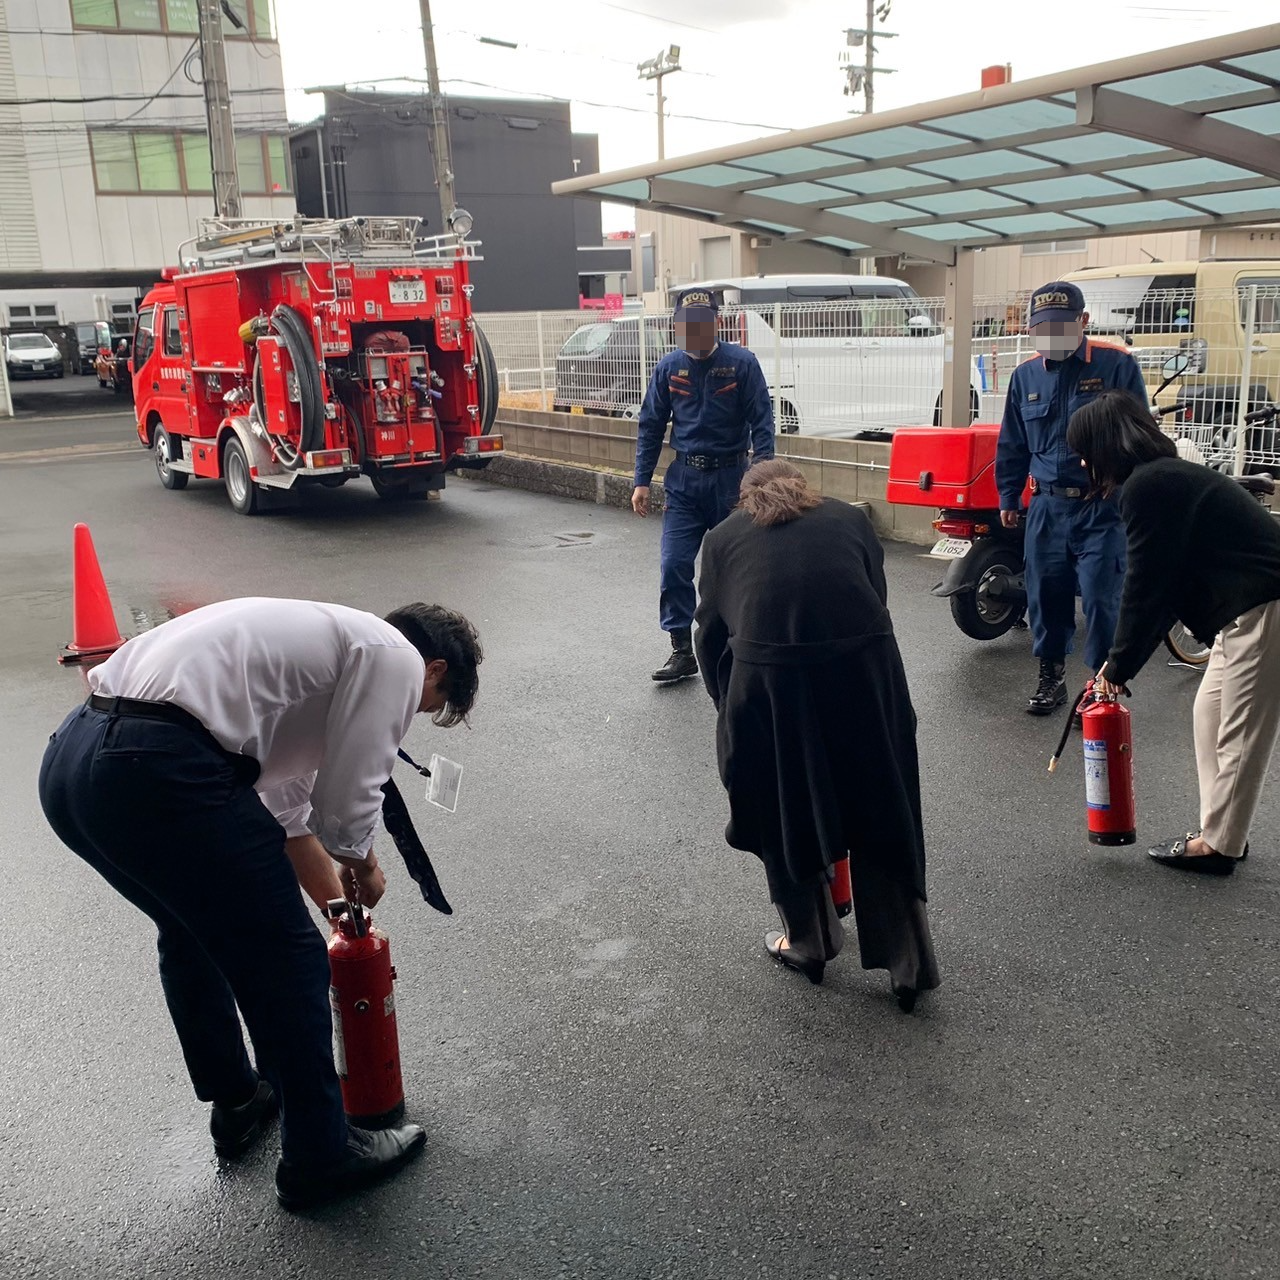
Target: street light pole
[
  {"x": 654, "y": 69},
  {"x": 439, "y": 126}
]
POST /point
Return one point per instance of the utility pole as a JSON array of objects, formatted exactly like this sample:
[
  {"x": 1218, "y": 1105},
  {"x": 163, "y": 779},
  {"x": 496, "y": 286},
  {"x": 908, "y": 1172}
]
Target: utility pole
[
  {"x": 654, "y": 69},
  {"x": 439, "y": 125},
  {"x": 217, "y": 105},
  {"x": 861, "y": 79}
]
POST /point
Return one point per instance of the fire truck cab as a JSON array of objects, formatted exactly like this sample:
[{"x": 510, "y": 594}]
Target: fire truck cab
[{"x": 313, "y": 352}]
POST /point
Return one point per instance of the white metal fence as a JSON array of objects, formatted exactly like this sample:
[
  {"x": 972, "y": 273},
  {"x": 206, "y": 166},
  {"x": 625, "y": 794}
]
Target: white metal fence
[{"x": 865, "y": 367}]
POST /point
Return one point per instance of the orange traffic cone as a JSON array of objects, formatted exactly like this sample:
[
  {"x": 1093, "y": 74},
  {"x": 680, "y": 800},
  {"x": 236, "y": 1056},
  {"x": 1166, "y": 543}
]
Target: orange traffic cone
[{"x": 96, "y": 633}]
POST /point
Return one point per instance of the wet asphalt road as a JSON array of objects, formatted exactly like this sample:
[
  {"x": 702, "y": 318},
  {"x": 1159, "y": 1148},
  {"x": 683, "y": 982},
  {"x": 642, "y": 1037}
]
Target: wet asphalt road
[{"x": 615, "y": 1081}]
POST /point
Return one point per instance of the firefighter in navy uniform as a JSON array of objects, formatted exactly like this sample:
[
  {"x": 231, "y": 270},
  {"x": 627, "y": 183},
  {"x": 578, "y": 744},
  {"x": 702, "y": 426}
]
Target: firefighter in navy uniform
[
  {"x": 715, "y": 397},
  {"x": 1073, "y": 539}
]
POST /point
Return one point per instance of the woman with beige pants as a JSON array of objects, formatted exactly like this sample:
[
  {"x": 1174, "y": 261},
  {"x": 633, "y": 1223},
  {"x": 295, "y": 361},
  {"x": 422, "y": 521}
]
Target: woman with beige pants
[{"x": 1203, "y": 551}]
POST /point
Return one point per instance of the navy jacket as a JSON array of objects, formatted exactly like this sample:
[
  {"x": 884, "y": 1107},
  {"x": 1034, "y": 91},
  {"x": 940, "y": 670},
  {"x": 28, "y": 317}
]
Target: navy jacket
[
  {"x": 1043, "y": 394},
  {"x": 718, "y": 405}
]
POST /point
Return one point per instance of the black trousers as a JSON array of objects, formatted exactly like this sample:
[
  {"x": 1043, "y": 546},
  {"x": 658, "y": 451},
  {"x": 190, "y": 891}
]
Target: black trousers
[{"x": 171, "y": 822}]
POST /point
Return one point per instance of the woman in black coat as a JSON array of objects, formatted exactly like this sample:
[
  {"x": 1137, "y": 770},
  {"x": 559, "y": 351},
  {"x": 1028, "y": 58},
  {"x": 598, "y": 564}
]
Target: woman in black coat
[
  {"x": 816, "y": 736},
  {"x": 1203, "y": 551}
]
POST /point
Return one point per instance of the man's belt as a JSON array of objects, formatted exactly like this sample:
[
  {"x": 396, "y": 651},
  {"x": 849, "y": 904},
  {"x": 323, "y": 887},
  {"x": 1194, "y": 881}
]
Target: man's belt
[
  {"x": 711, "y": 461},
  {"x": 1058, "y": 490},
  {"x": 395, "y": 813},
  {"x": 137, "y": 709}
]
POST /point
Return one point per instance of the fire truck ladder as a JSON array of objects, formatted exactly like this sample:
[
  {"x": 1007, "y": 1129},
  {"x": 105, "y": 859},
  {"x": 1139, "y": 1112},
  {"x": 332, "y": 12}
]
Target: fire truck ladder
[{"x": 228, "y": 242}]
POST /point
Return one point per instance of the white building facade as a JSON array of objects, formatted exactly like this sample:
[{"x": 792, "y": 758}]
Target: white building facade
[{"x": 104, "y": 153}]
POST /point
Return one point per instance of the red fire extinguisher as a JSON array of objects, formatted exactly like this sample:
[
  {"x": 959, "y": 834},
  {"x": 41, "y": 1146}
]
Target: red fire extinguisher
[
  {"x": 841, "y": 887},
  {"x": 366, "y": 1046},
  {"x": 1108, "y": 767}
]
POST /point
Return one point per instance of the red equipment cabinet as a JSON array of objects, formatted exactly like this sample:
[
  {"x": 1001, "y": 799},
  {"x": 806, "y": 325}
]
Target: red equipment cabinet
[
  {"x": 944, "y": 467},
  {"x": 315, "y": 351}
]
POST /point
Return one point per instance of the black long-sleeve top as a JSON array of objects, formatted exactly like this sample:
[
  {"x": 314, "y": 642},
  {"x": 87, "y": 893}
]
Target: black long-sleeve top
[{"x": 1201, "y": 550}]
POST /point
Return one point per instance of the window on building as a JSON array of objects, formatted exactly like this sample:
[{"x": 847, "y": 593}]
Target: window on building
[
  {"x": 178, "y": 163},
  {"x": 249, "y": 160},
  {"x": 197, "y": 163},
  {"x": 175, "y": 17},
  {"x": 28, "y": 315},
  {"x": 1041, "y": 247},
  {"x": 157, "y": 155}
]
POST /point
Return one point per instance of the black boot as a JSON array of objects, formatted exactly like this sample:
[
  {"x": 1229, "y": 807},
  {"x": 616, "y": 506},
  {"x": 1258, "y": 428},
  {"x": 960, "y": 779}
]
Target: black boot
[
  {"x": 1051, "y": 691},
  {"x": 682, "y": 663}
]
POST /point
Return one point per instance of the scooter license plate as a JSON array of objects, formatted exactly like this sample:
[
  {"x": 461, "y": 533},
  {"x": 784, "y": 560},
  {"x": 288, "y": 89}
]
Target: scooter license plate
[{"x": 951, "y": 548}]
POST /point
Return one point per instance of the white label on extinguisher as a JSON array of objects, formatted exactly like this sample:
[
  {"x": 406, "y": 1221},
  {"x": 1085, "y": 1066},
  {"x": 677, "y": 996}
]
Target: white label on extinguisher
[
  {"x": 1097, "y": 783},
  {"x": 339, "y": 1048},
  {"x": 389, "y": 1005}
]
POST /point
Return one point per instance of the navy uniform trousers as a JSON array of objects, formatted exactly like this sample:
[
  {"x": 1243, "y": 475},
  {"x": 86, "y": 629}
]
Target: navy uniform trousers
[
  {"x": 171, "y": 821},
  {"x": 1070, "y": 543},
  {"x": 696, "y": 501}
]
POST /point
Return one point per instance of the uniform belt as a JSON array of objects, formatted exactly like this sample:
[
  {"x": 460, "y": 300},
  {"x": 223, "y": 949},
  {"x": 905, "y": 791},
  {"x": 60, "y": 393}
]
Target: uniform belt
[
  {"x": 1058, "y": 490},
  {"x": 711, "y": 461},
  {"x": 140, "y": 710}
]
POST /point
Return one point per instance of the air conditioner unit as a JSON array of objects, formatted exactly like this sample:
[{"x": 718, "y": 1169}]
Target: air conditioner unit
[{"x": 761, "y": 242}]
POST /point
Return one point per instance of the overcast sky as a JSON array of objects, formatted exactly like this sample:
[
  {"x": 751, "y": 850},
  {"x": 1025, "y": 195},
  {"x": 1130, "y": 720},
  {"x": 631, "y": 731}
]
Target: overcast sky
[{"x": 748, "y": 63}]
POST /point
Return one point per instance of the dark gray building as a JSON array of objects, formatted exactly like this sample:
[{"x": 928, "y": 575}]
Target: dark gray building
[{"x": 371, "y": 154}]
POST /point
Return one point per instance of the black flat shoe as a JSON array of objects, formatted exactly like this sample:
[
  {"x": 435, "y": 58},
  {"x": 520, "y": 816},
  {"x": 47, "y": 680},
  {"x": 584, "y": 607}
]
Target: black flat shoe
[
  {"x": 369, "y": 1157},
  {"x": 236, "y": 1129},
  {"x": 907, "y": 997},
  {"x": 1173, "y": 853},
  {"x": 812, "y": 969}
]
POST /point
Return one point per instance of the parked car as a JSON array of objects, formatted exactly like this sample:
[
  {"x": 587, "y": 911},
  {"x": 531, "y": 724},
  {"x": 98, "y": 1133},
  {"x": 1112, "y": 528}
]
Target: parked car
[
  {"x": 112, "y": 367},
  {"x": 91, "y": 336},
  {"x": 851, "y": 355},
  {"x": 598, "y": 368},
  {"x": 32, "y": 355}
]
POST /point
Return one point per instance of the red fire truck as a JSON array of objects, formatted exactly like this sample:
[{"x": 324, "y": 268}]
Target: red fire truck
[{"x": 312, "y": 352}]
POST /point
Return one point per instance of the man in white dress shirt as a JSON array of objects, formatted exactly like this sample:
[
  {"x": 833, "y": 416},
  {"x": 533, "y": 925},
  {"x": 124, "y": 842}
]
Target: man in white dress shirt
[{"x": 222, "y": 761}]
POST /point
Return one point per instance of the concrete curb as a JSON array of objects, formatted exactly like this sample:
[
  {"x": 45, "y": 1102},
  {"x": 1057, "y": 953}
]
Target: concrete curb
[{"x": 564, "y": 480}]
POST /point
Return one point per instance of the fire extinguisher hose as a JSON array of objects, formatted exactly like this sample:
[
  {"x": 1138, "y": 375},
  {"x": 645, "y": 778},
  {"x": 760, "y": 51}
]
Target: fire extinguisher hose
[{"x": 1080, "y": 703}]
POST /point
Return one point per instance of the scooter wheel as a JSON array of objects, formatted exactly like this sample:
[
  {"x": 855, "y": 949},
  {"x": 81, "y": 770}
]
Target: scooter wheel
[{"x": 980, "y": 613}]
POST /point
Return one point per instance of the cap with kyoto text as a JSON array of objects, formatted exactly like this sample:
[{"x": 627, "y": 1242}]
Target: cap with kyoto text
[
  {"x": 1060, "y": 300},
  {"x": 696, "y": 304}
]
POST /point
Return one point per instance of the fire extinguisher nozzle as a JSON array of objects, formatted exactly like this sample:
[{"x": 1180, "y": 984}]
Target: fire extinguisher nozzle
[{"x": 1053, "y": 764}]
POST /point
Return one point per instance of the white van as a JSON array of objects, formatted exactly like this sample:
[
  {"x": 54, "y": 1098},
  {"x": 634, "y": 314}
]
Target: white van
[{"x": 843, "y": 355}]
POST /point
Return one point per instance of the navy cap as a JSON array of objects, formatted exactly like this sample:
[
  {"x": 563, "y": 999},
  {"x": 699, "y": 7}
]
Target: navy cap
[
  {"x": 696, "y": 304},
  {"x": 1060, "y": 300}
]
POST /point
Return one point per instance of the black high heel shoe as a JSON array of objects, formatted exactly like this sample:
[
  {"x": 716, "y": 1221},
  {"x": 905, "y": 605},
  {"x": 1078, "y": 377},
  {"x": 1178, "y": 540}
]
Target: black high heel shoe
[
  {"x": 812, "y": 969},
  {"x": 907, "y": 997}
]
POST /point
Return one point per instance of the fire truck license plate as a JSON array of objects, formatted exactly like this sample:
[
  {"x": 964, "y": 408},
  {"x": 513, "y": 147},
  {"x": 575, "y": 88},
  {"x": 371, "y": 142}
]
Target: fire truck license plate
[
  {"x": 951, "y": 548},
  {"x": 408, "y": 291}
]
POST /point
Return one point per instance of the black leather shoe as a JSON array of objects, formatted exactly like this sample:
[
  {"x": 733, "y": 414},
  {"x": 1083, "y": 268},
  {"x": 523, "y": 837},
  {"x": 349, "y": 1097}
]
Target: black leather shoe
[
  {"x": 236, "y": 1129},
  {"x": 369, "y": 1158},
  {"x": 812, "y": 969},
  {"x": 682, "y": 663},
  {"x": 1051, "y": 689},
  {"x": 1173, "y": 853}
]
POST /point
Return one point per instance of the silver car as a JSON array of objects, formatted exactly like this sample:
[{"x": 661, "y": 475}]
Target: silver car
[{"x": 34, "y": 355}]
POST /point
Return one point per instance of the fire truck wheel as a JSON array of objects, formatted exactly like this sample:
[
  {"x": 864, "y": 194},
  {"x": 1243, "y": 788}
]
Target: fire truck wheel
[
  {"x": 162, "y": 450},
  {"x": 235, "y": 474}
]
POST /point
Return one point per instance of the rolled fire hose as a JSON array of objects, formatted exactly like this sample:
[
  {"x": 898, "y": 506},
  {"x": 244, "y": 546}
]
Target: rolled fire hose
[{"x": 288, "y": 325}]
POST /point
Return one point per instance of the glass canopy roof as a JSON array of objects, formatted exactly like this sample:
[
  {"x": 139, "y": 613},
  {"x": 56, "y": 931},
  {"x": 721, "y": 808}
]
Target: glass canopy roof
[{"x": 1186, "y": 137}]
